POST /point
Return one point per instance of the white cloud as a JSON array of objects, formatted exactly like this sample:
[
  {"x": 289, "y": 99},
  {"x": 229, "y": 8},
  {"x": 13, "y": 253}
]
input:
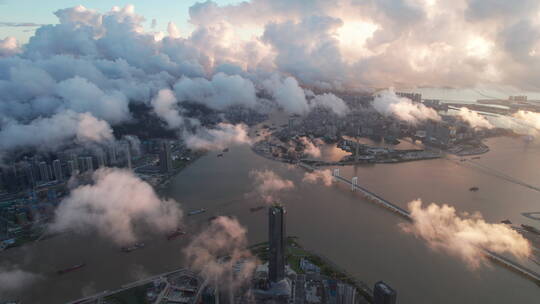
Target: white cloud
[
  {"x": 113, "y": 204},
  {"x": 464, "y": 236},
  {"x": 388, "y": 104}
]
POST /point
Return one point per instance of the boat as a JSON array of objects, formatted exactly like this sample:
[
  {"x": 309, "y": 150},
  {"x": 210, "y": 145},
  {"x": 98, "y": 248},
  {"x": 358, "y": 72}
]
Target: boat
[
  {"x": 220, "y": 155},
  {"x": 226, "y": 150},
  {"x": 174, "y": 234},
  {"x": 255, "y": 209},
  {"x": 70, "y": 269},
  {"x": 197, "y": 211},
  {"x": 474, "y": 189},
  {"x": 132, "y": 247},
  {"x": 507, "y": 222}
]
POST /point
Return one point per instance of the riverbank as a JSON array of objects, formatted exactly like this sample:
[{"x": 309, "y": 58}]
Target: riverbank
[{"x": 296, "y": 253}]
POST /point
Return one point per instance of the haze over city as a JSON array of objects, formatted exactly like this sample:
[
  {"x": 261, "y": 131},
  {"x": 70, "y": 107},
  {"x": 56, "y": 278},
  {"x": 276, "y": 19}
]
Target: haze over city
[{"x": 269, "y": 151}]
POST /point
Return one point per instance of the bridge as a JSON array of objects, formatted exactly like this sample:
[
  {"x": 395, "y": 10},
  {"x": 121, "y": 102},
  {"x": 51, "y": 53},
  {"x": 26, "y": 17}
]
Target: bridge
[{"x": 374, "y": 198}]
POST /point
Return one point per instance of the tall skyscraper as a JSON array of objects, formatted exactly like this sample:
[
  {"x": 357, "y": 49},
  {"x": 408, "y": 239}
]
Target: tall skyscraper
[
  {"x": 165, "y": 158},
  {"x": 88, "y": 164},
  {"x": 74, "y": 159},
  {"x": 276, "y": 238},
  {"x": 128, "y": 156},
  {"x": 72, "y": 168},
  {"x": 100, "y": 157},
  {"x": 384, "y": 294},
  {"x": 57, "y": 168},
  {"x": 44, "y": 171},
  {"x": 112, "y": 154}
]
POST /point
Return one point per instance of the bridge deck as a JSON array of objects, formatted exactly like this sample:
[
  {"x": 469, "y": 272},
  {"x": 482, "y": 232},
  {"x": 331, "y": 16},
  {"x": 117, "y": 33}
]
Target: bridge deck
[{"x": 533, "y": 276}]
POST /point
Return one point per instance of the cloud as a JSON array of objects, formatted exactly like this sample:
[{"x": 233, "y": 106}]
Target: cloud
[
  {"x": 464, "y": 236},
  {"x": 332, "y": 102},
  {"x": 165, "y": 106},
  {"x": 9, "y": 46},
  {"x": 172, "y": 30},
  {"x": 52, "y": 132},
  {"x": 474, "y": 119},
  {"x": 217, "y": 249},
  {"x": 325, "y": 176},
  {"x": 310, "y": 148},
  {"x": 20, "y": 24},
  {"x": 14, "y": 279},
  {"x": 113, "y": 204},
  {"x": 241, "y": 54},
  {"x": 218, "y": 93},
  {"x": 388, "y": 104},
  {"x": 287, "y": 93},
  {"x": 223, "y": 135},
  {"x": 268, "y": 184},
  {"x": 531, "y": 119},
  {"x": 81, "y": 95}
]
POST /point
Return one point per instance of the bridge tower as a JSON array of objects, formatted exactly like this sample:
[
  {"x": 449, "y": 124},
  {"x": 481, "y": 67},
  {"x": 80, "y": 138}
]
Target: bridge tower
[
  {"x": 354, "y": 183},
  {"x": 335, "y": 173}
]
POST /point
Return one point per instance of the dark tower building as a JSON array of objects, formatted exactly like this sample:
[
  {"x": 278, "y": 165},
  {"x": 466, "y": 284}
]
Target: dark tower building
[
  {"x": 165, "y": 158},
  {"x": 276, "y": 238},
  {"x": 384, "y": 294}
]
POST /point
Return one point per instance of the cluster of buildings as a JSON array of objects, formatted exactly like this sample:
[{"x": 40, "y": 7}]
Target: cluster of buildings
[
  {"x": 449, "y": 133},
  {"x": 32, "y": 188}
]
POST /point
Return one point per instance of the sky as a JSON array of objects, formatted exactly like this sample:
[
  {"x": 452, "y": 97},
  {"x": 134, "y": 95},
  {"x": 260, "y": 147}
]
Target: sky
[{"x": 26, "y": 11}]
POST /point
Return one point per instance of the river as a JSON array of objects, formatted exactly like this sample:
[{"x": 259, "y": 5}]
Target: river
[{"x": 362, "y": 238}]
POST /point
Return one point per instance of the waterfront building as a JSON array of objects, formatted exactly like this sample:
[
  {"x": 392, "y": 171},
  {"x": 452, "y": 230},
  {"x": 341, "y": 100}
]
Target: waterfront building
[
  {"x": 100, "y": 157},
  {"x": 57, "y": 168},
  {"x": 72, "y": 168},
  {"x": 277, "y": 245},
  {"x": 44, "y": 171},
  {"x": 165, "y": 158}
]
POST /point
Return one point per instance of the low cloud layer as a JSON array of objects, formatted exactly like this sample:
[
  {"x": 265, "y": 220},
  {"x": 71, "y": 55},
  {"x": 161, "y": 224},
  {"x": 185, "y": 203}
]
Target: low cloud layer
[
  {"x": 474, "y": 119},
  {"x": 218, "y": 138},
  {"x": 14, "y": 279},
  {"x": 530, "y": 119},
  {"x": 389, "y": 104},
  {"x": 269, "y": 185},
  {"x": 165, "y": 106},
  {"x": 50, "y": 133},
  {"x": 217, "y": 249},
  {"x": 218, "y": 93},
  {"x": 310, "y": 148},
  {"x": 9, "y": 47},
  {"x": 464, "y": 236},
  {"x": 292, "y": 98},
  {"x": 323, "y": 176},
  {"x": 113, "y": 204}
]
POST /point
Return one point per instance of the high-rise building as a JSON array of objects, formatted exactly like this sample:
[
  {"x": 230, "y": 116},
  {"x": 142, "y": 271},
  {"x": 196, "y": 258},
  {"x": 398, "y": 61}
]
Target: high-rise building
[
  {"x": 74, "y": 159},
  {"x": 44, "y": 171},
  {"x": 277, "y": 246},
  {"x": 88, "y": 164},
  {"x": 128, "y": 156},
  {"x": 100, "y": 157},
  {"x": 384, "y": 294},
  {"x": 29, "y": 172},
  {"x": 72, "y": 167},
  {"x": 112, "y": 154},
  {"x": 165, "y": 158},
  {"x": 57, "y": 168}
]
